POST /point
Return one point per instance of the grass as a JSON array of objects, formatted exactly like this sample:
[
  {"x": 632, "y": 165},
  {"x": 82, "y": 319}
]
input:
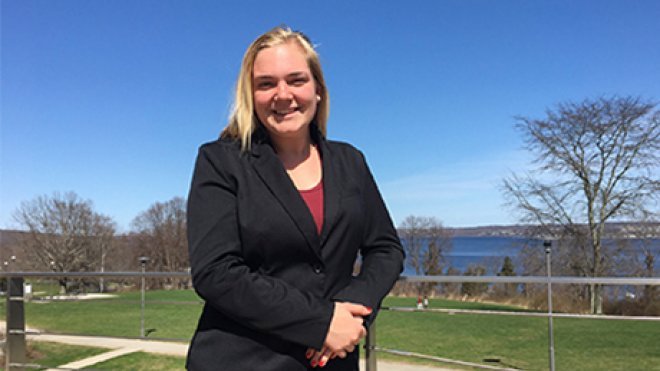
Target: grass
[
  {"x": 54, "y": 354},
  {"x": 118, "y": 316},
  {"x": 44, "y": 287},
  {"x": 516, "y": 341},
  {"x": 521, "y": 342},
  {"x": 142, "y": 362},
  {"x": 391, "y": 301}
]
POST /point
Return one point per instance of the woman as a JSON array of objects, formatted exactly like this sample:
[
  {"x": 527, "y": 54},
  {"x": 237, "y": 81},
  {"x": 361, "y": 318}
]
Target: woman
[{"x": 276, "y": 217}]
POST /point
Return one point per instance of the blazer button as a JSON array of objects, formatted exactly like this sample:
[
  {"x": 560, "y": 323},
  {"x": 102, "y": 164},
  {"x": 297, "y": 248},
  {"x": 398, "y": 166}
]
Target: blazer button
[{"x": 318, "y": 269}]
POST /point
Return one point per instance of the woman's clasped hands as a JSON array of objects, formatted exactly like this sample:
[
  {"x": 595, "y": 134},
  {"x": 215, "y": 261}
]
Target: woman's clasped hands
[{"x": 345, "y": 332}]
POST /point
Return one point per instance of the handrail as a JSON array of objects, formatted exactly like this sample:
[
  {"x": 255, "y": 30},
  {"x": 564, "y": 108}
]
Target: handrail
[
  {"x": 521, "y": 314},
  {"x": 32, "y": 274},
  {"x": 536, "y": 279},
  {"x": 614, "y": 281}
]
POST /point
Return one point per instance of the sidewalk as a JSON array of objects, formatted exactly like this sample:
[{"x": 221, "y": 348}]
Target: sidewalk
[{"x": 119, "y": 346}]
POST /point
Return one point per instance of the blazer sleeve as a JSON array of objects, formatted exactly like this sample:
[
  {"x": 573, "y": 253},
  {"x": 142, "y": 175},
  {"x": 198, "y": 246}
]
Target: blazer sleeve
[
  {"x": 381, "y": 250},
  {"x": 221, "y": 276}
]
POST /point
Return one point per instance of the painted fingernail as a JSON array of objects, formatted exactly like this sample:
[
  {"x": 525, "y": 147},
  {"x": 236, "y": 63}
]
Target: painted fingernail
[
  {"x": 322, "y": 363},
  {"x": 309, "y": 353},
  {"x": 369, "y": 309},
  {"x": 313, "y": 363}
]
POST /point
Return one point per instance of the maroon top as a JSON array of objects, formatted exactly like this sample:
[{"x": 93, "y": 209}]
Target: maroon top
[{"x": 314, "y": 200}]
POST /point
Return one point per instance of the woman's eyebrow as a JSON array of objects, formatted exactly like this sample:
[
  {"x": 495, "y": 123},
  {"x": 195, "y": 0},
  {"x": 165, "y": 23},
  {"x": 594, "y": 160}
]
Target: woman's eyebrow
[
  {"x": 292, "y": 74},
  {"x": 263, "y": 77},
  {"x": 297, "y": 74}
]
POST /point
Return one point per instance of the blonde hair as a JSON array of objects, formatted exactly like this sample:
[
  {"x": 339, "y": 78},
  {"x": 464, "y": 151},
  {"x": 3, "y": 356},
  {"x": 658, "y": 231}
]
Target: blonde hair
[{"x": 243, "y": 120}]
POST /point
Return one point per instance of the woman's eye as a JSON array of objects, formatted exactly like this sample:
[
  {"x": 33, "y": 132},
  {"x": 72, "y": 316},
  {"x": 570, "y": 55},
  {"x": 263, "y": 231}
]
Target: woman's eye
[
  {"x": 265, "y": 85},
  {"x": 299, "y": 82}
]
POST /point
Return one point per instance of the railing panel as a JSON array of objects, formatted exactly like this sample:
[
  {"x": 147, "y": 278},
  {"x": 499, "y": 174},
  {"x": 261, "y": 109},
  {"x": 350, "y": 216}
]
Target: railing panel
[{"x": 153, "y": 308}]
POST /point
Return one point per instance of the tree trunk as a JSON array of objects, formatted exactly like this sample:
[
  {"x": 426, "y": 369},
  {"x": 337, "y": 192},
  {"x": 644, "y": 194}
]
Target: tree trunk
[
  {"x": 649, "y": 291},
  {"x": 596, "y": 290},
  {"x": 598, "y": 299},
  {"x": 63, "y": 290}
]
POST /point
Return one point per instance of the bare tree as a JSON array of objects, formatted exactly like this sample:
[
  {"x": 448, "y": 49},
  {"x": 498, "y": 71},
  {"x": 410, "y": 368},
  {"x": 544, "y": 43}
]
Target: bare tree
[
  {"x": 596, "y": 162},
  {"x": 426, "y": 242},
  {"x": 65, "y": 234},
  {"x": 412, "y": 233},
  {"x": 161, "y": 235}
]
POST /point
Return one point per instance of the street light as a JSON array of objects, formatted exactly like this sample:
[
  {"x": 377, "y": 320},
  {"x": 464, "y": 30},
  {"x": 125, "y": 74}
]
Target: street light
[
  {"x": 551, "y": 341},
  {"x": 143, "y": 262}
]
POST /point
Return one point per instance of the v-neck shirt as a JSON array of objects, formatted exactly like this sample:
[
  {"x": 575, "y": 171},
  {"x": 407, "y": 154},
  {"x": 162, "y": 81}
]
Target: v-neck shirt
[{"x": 314, "y": 199}]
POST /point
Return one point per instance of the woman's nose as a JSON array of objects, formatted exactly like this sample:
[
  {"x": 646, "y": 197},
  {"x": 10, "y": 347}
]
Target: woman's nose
[{"x": 282, "y": 91}]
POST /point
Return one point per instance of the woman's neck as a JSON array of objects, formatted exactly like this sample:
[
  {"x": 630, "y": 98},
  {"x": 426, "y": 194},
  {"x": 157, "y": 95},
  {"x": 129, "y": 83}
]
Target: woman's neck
[{"x": 292, "y": 151}]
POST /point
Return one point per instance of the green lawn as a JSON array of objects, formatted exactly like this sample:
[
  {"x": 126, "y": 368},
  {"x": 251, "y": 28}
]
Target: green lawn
[
  {"x": 391, "y": 301},
  {"x": 54, "y": 354},
  {"x": 142, "y": 362},
  {"x": 118, "y": 316},
  {"x": 521, "y": 342},
  {"x": 44, "y": 287},
  {"x": 516, "y": 341}
]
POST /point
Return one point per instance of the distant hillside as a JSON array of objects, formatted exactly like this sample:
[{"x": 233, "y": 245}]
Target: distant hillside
[
  {"x": 9, "y": 238},
  {"x": 122, "y": 256},
  {"x": 491, "y": 231},
  {"x": 626, "y": 230},
  {"x": 9, "y": 245}
]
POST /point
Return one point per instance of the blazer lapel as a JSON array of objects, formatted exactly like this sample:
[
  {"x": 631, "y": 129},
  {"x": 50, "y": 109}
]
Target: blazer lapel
[
  {"x": 272, "y": 173},
  {"x": 331, "y": 190}
]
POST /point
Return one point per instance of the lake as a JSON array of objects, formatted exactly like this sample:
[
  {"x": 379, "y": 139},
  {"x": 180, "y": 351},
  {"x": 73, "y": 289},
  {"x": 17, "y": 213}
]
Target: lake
[{"x": 490, "y": 252}]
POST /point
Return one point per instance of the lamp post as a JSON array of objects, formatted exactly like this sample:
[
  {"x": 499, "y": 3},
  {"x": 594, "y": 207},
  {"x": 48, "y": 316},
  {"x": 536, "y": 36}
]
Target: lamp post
[
  {"x": 551, "y": 339},
  {"x": 143, "y": 262},
  {"x": 102, "y": 279}
]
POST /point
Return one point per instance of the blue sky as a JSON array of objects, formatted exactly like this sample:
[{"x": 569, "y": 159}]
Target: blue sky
[{"x": 111, "y": 99}]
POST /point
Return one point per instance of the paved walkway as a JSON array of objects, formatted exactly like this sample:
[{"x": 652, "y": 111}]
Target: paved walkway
[{"x": 120, "y": 346}]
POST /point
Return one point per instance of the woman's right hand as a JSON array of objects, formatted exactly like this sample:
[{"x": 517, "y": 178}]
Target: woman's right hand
[
  {"x": 346, "y": 328},
  {"x": 345, "y": 332}
]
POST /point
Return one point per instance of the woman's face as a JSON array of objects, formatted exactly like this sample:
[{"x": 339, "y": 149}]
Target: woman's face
[{"x": 285, "y": 95}]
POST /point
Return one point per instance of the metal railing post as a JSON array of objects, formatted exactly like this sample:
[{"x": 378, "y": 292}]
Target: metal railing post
[
  {"x": 370, "y": 348},
  {"x": 15, "y": 348},
  {"x": 143, "y": 263},
  {"x": 551, "y": 337}
]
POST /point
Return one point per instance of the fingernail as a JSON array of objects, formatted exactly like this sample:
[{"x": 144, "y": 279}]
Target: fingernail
[
  {"x": 322, "y": 364},
  {"x": 308, "y": 354},
  {"x": 313, "y": 363},
  {"x": 369, "y": 309}
]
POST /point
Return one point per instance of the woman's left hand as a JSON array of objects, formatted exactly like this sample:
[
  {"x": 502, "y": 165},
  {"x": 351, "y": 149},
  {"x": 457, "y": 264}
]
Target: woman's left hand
[{"x": 321, "y": 357}]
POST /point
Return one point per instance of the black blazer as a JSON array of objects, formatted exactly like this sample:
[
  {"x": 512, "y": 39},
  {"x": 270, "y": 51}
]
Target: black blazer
[{"x": 268, "y": 279}]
